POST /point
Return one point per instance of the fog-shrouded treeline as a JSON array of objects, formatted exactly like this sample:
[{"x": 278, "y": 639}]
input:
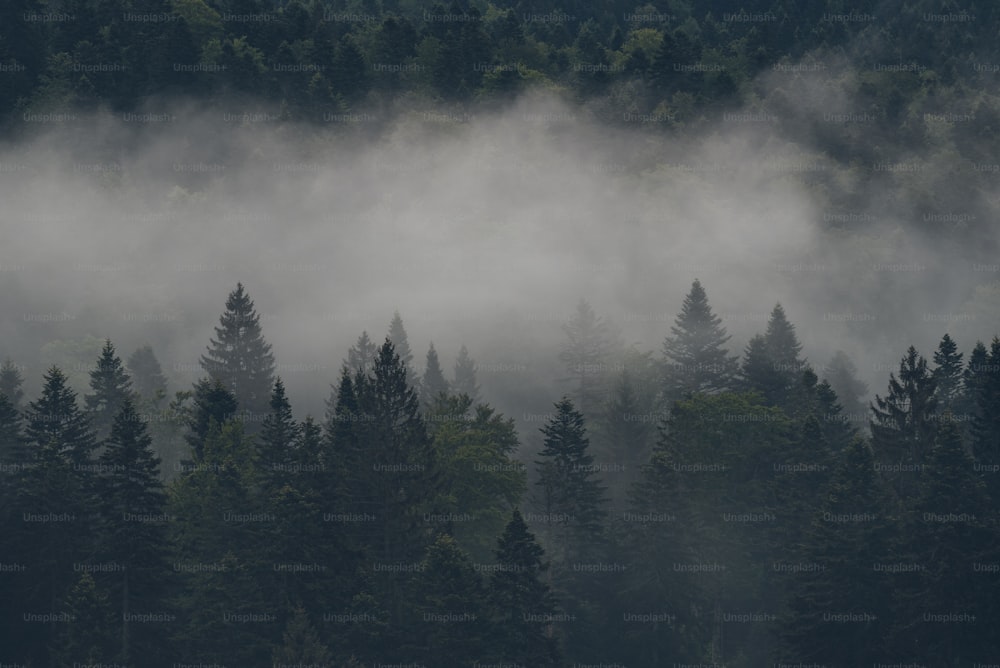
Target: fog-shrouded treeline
[{"x": 693, "y": 504}]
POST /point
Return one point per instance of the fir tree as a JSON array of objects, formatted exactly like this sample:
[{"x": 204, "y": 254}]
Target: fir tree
[
  {"x": 841, "y": 373},
  {"x": 278, "y": 437},
  {"x": 772, "y": 365},
  {"x": 10, "y": 382},
  {"x": 568, "y": 484},
  {"x": 587, "y": 354},
  {"x": 241, "y": 359},
  {"x": 302, "y": 645},
  {"x": 695, "y": 355},
  {"x": 361, "y": 356},
  {"x": 213, "y": 404},
  {"x": 397, "y": 334},
  {"x": 521, "y": 600},
  {"x": 904, "y": 422},
  {"x": 133, "y": 532},
  {"x": 111, "y": 387},
  {"x": 55, "y": 420},
  {"x": 146, "y": 373},
  {"x": 465, "y": 375},
  {"x": 86, "y": 637},
  {"x": 433, "y": 382},
  {"x": 947, "y": 372}
]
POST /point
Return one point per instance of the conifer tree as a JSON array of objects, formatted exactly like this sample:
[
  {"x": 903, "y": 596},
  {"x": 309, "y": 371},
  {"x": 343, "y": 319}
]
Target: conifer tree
[
  {"x": 947, "y": 373},
  {"x": 302, "y": 645},
  {"x": 10, "y": 382},
  {"x": 85, "y": 636},
  {"x": 570, "y": 491},
  {"x": 132, "y": 533},
  {"x": 111, "y": 387},
  {"x": 55, "y": 420},
  {"x": 146, "y": 373},
  {"x": 279, "y": 436},
  {"x": 587, "y": 353},
  {"x": 841, "y": 373},
  {"x": 523, "y": 603},
  {"x": 904, "y": 422},
  {"x": 433, "y": 382},
  {"x": 772, "y": 365},
  {"x": 213, "y": 403},
  {"x": 465, "y": 376},
  {"x": 984, "y": 379},
  {"x": 241, "y": 359},
  {"x": 397, "y": 334},
  {"x": 361, "y": 356},
  {"x": 695, "y": 355}
]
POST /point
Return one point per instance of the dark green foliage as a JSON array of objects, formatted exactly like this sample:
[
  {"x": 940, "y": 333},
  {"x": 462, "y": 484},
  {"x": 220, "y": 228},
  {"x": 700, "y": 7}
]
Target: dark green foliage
[
  {"x": 397, "y": 334},
  {"x": 947, "y": 372},
  {"x": 111, "y": 387},
  {"x": 771, "y": 364},
  {"x": 302, "y": 645},
  {"x": 841, "y": 373},
  {"x": 85, "y": 632},
  {"x": 522, "y": 602},
  {"x": 695, "y": 356},
  {"x": 213, "y": 404},
  {"x": 241, "y": 359}
]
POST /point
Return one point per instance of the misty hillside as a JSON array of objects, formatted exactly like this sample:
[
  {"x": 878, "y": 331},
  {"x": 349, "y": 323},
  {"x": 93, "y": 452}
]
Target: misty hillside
[{"x": 384, "y": 333}]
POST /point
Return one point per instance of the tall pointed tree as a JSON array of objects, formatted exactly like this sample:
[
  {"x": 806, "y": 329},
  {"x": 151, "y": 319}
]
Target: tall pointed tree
[
  {"x": 241, "y": 359},
  {"x": 903, "y": 423},
  {"x": 213, "y": 404},
  {"x": 278, "y": 437},
  {"x": 433, "y": 382},
  {"x": 133, "y": 532},
  {"x": 146, "y": 373},
  {"x": 111, "y": 387},
  {"x": 522, "y": 601},
  {"x": 842, "y": 374},
  {"x": 11, "y": 381},
  {"x": 397, "y": 334},
  {"x": 465, "y": 375},
  {"x": 586, "y": 353},
  {"x": 361, "y": 356},
  {"x": 947, "y": 372},
  {"x": 984, "y": 384},
  {"x": 772, "y": 365},
  {"x": 695, "y": 355}
]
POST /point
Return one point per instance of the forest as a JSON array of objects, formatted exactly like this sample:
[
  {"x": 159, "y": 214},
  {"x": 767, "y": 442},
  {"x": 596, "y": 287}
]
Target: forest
[
  {"x": 569, "y": 456},
  {"x": 687, "y": 507}
]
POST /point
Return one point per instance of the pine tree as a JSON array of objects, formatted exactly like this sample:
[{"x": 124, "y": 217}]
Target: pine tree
[
  {"x": 772, "y": 365},
  {"x": 302, "y": 645},
  {"x": 241, "y": 359},
  {"x": 841, "y": 373},
  {"x": 111, "y": 387},
  {"x": 947, "y": 372},
  {"x": 278, "y": 437},
  {"x": 10, "y": 382},
  {"x": 570, "y": 491},
  {"x": 133, "y": 532},
  {"x": 447, "y": 618},
  {"x": 12, "y": 446},
  {"x": 904, "y": 422},
  {"x": 522, "y": 602},
  {"x": 146, "y": 373},
  {"x": 433, "y": 382},
  {"x": 695, "y": 355},
  {"x": 947, "y": 536},
  {"x": 213, "y": 404},
  {"x": 465, "y": 376},
  {"x": 984, "y": 380},
  {"x": 587, "y": 354},
  {"x": 361, "y": 356},
  {"x": 628, "y": 432},
  {"x": 85, "y": 637},
  {"x": 851, "y": 532},
  {"x": 397, "y": 334},
  {"x": 55, "y": 420}
]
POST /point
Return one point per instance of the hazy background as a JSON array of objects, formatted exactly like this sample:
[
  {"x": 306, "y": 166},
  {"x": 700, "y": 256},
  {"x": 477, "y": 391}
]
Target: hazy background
[{"x": 483, "y": 229}]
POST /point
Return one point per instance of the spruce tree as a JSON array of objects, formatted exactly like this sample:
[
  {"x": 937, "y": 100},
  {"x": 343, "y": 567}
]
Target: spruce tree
[
  {"x": 241, "y": 359},
  {"x": 55, "y": 420},
  {"x": 433, "y": 382},
  {"x": 397, "y": 334},
  {"x": 572, "y": 497},
  {"x": 904, "y": 422},
  {"x": 85, "y": 636},
  {"x": 302, "y": 645},
  {"x": 361, "y": 356},
  {"x": 10, "y": 382},
  {"x": 947, "y": 373},
  {"x": 465, "y": 376},
  {"x": 841, "y": 373},
  {"x": 694, "y": 354},
  {"x": 278, "y": 437},
  {"x": 772, "y": 365},
  {"x": 628, "y": 432},
  {"x": 111, "y": 387},
  {"x": 213, "y": 404},
  {"x": 522, "y": 602},
  {"x": 587, "y": 353},
  {"x": 984, "y": 380},
  {"x": 133, "y": 533},
  {"x": 146, "y": 373},
  {"x": 12, "y": 445}
]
